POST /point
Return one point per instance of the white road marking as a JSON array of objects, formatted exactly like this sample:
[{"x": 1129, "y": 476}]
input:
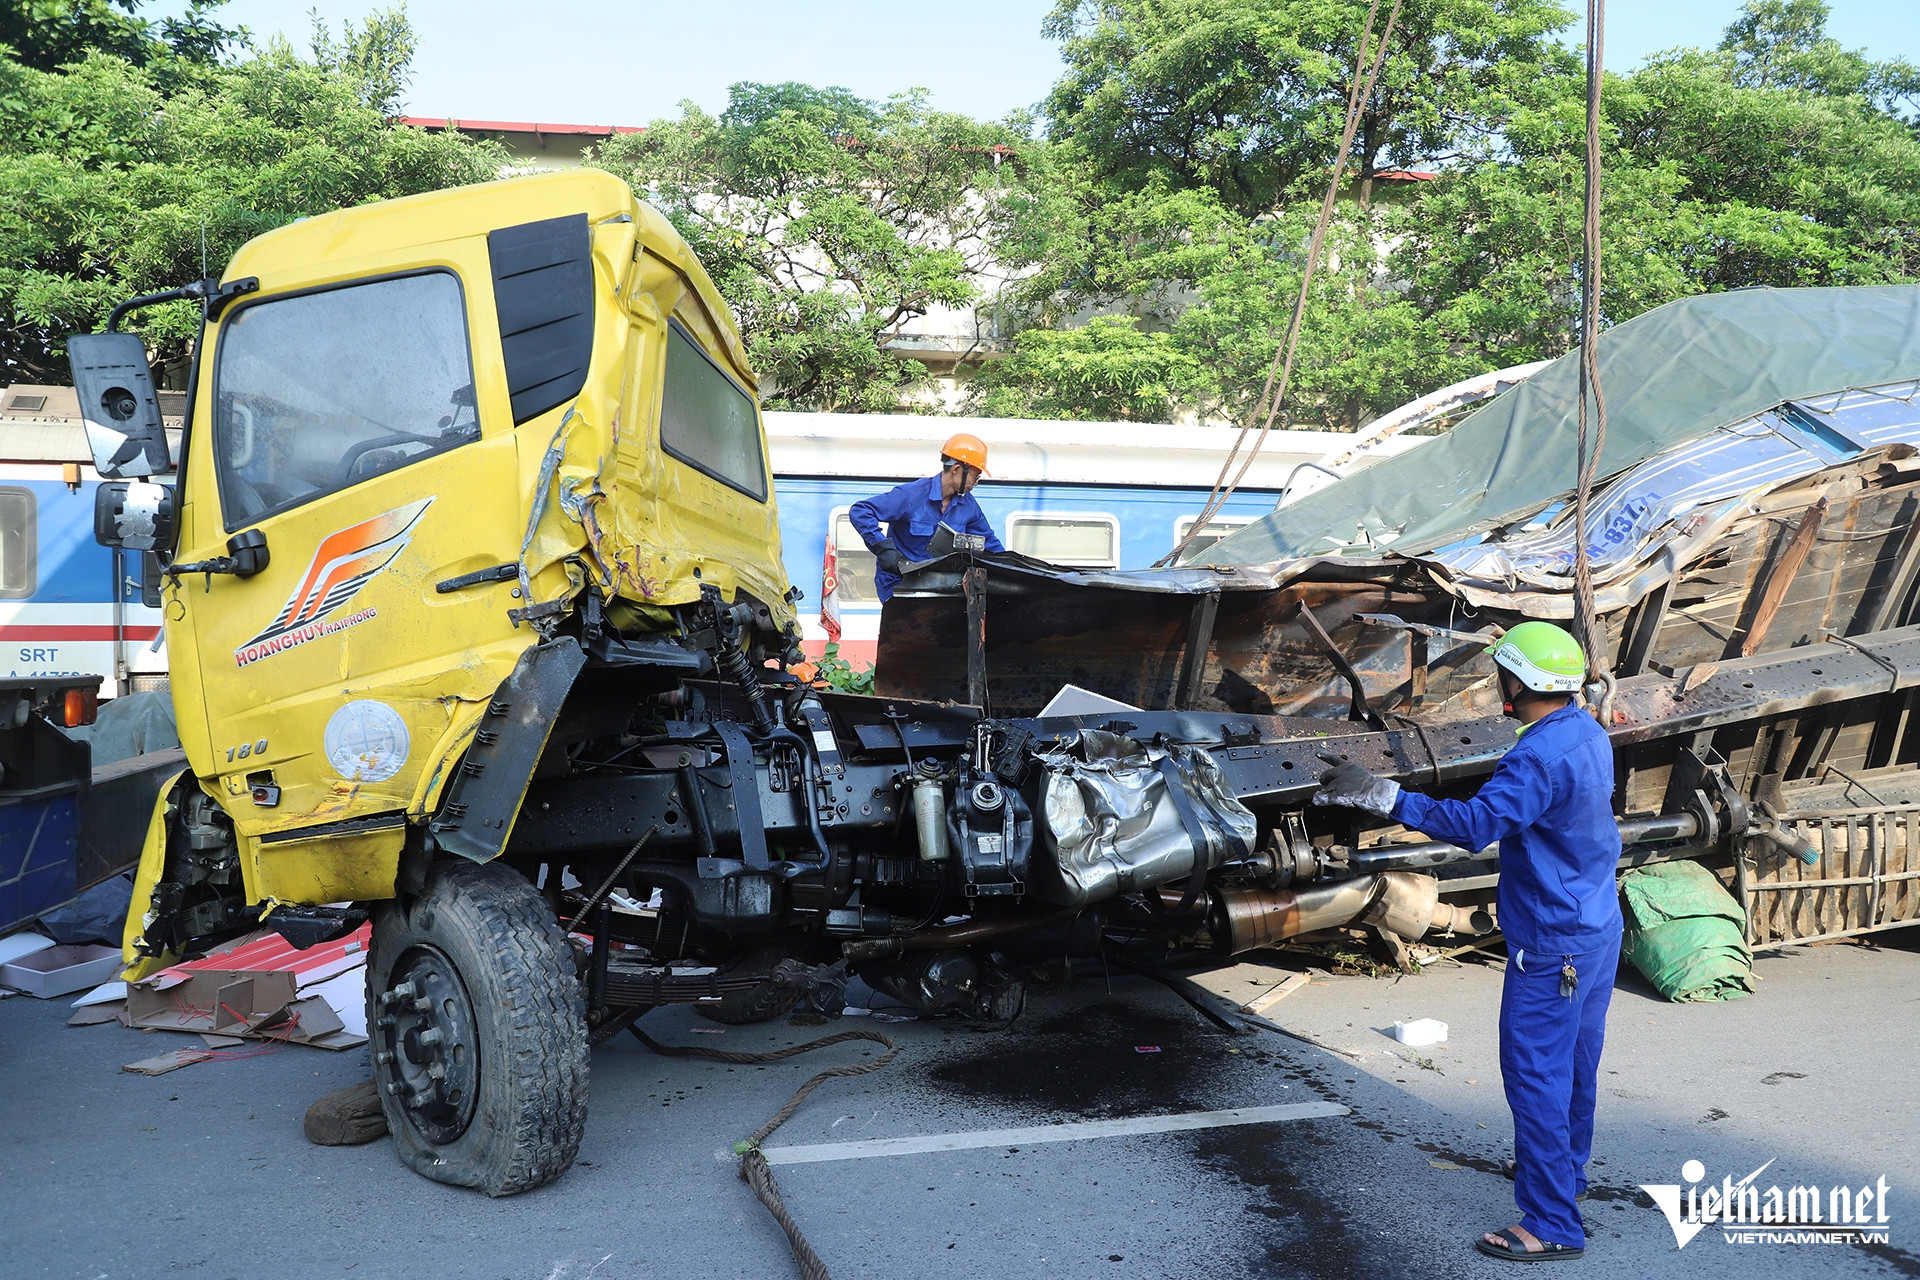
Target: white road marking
[{"x": 1033, "y": 1135}]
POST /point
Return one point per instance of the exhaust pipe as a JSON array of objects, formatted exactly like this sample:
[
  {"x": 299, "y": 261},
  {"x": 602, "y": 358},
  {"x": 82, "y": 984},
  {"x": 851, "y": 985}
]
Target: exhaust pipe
[{"x": 1400, "y": 902}]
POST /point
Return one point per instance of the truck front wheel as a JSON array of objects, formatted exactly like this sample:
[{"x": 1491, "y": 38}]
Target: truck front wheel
[{"x": 478, "y": 1032}]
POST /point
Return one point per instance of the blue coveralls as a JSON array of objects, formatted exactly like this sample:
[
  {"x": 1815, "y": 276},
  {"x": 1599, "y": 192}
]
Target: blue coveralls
[
  {"x": 911, "y": 512},
  {"x": 1549, "y": 804}
]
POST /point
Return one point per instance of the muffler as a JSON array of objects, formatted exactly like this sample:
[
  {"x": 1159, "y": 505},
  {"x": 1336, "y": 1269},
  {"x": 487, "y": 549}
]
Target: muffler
[{"x": 1400, "y": 902}]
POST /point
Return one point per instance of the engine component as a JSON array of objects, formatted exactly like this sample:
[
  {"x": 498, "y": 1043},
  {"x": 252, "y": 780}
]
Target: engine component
[
  {"x": 1405, "y": 904},
  {"x": 729, "y": 655},
  {"x": 1288, "y": 856},
  {"x": 936, "y": 981},
  {"x": 992, "y": 829},
  {"x": 1122, "y": 816},
  {"x": 930, "y": 818}
]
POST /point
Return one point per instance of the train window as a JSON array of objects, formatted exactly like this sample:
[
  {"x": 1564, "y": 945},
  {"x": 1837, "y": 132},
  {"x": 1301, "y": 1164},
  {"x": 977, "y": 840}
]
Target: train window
[
  {"x": 1079, "y": 541},
  {"x": 318, "y": 391},
  {"x": 854, "y": 562},
  {"x": 708, "y": 422},
  {"x": 18, "y": 571},
  {"x": 1217, "y": 528}
]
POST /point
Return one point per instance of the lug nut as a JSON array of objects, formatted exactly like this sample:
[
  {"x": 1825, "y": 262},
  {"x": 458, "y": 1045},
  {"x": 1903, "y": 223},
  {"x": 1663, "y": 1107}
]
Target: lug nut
[
  {"x": 385, "y": 1022},
  {"x": 382, "y": 1058},
  {"x": 422, "y": 1003},
  {"x": 430, "y": 1036}
]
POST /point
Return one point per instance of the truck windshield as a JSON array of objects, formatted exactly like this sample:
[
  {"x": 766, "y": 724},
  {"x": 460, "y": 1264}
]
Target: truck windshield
[{"x": 318, "y": 391}]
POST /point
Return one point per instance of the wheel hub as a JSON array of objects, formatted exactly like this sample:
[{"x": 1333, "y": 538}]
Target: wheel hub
[{"x": 426, "y": 1053}]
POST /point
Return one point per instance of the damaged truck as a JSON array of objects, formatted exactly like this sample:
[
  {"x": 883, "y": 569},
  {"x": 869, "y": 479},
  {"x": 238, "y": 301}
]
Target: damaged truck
[{"x": 479, "y": 631}]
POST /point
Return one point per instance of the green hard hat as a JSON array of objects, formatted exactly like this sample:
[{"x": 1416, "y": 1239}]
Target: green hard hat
[{"x": 1545, "y": 658}]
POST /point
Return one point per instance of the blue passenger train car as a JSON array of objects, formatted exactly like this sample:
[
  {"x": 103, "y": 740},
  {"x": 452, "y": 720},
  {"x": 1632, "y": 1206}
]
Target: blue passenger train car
[
  {"x": 1108, "y": 495},
  {"x": 68, "y": 606}
]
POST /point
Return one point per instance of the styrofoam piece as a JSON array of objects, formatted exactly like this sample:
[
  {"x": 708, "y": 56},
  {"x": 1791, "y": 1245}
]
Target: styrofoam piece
[
  {"x": 1072, "y": 700},
  {"x": 24, "y": 943},
  {"x": 105, "y": 993},
  {"x": 1421, "y": 1031}
]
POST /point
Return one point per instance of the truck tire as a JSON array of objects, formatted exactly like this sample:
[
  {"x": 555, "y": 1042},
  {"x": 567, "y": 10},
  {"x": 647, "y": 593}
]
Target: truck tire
[
  {"x": 758, "y": 1003},
  {"x": 478, "y": 1032}
]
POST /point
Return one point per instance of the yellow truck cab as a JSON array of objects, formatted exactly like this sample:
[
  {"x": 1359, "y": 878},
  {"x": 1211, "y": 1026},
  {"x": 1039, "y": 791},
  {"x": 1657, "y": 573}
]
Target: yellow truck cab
[{"x": 443, "y": 454}]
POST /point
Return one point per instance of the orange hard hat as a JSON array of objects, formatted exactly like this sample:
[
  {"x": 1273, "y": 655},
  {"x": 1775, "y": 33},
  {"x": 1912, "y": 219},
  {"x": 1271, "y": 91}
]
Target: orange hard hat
[{"x": 969, "y": 449}]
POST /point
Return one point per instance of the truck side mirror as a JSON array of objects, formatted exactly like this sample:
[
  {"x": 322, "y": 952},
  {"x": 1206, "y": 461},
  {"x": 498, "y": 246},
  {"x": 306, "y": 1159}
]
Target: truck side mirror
[
  {"x": 133, "y": 514},
  {"x": 118, "y": 405}
]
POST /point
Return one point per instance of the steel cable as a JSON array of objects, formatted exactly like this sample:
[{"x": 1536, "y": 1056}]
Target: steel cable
[
  {"x": 1586, "y": 611},
  {"x": 1280, "y": 372},
  {"x": 754, "y": 1170}
]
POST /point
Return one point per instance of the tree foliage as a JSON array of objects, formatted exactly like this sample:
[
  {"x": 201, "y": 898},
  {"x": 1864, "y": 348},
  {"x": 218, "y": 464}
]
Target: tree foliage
[
  {"x": 829, "y": 222},
  {"x": 49, "y": 34},
  {"x": 1138, "y": 259},
  {"x": 1188, "y": 137},
  {"x": 1247, "y": 98},
  {"x": 122, "y": 182}
]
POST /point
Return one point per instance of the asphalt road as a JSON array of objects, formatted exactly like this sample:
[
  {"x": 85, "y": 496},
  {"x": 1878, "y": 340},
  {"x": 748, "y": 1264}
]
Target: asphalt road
[{"x": 204, "y": 1173}]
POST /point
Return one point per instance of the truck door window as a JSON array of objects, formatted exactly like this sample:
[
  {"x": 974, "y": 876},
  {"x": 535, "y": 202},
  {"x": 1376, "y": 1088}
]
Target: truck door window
[
  {"x": 708, "y": 422},
  {"x": 18, "y": 572},
  {"x": 318, "y": 391}
]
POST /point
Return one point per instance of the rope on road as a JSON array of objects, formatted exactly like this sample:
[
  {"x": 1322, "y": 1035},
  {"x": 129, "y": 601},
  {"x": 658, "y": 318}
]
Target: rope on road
[{"x": 754, "y": 1170}]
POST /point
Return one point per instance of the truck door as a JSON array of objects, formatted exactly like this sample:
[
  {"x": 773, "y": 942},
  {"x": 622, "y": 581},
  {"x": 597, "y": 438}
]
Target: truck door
[{"x": 344, "y": 430}]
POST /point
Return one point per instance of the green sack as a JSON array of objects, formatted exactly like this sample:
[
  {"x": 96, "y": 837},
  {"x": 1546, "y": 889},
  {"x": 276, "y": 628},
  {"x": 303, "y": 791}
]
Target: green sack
[{"x": 1686, "y": 933}]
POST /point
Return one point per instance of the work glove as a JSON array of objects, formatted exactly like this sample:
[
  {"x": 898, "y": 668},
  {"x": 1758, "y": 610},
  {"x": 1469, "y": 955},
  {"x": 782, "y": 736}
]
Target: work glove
[
  {"x": 1350, "y": 785},
  {"x": 887, "y": 555}
]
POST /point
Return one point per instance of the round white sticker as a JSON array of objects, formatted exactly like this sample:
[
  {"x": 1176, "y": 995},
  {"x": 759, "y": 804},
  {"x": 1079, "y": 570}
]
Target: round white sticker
[{"x": 367, "y": 741}]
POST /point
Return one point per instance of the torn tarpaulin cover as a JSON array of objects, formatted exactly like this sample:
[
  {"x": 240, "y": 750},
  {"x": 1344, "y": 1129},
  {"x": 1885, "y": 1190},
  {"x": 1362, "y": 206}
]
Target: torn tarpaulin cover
[
  {"x": 1672, "y": 375},
  {"x": 1122, "y": 816}
]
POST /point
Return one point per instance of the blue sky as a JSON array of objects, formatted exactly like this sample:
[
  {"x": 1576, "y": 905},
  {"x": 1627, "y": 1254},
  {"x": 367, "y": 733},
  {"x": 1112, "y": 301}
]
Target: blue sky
[{"x": 608, "y": 62}]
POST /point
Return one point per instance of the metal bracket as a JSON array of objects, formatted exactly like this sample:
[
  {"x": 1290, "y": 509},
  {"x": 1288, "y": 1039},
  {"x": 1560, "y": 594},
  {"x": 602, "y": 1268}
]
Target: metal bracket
[
  {"x": 1359, "y": 708},
  {"x": 746, "y": 795},
  {"x": 1193, "y": 663}
]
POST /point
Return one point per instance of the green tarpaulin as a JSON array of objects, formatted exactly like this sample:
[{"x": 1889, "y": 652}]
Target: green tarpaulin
[
  {"x": 1685, "y": 933},
  {"x": 1672, "y": 375}
]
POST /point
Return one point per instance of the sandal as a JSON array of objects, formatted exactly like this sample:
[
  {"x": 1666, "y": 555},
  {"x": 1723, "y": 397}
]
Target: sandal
[
  {"x": 1509, "y": 1167},
  {"x": 1511, "y": 1236}
]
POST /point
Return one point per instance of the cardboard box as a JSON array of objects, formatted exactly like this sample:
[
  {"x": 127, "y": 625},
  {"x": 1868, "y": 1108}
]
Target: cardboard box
[
  {"x": 253, "y": 988},
  {"x": 56, "y": 971}
]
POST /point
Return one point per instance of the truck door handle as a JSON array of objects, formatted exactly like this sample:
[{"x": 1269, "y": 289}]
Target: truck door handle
[{"x": 494, "y": 573}]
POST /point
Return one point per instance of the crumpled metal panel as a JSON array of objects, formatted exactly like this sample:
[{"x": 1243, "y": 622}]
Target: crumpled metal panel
[
  {"x": 1046, "y": 627},
  {"x": 1113, "y": 826}
]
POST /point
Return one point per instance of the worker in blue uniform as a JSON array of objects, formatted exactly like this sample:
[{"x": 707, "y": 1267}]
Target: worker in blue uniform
[
  {"x": 913, "y": 512},
  {"x": 1549, "y": 804}
]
